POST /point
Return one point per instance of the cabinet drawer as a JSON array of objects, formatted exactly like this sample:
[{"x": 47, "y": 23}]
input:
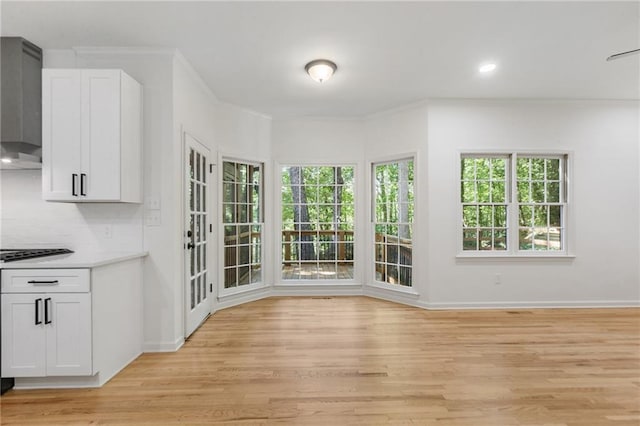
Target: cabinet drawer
[{"x": 45, "y": 280}]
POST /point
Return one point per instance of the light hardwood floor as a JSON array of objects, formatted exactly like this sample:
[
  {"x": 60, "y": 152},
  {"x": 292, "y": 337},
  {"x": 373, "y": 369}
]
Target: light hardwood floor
[
  {"x": 322, "y": 271},
  {"x": 355, "y": 360}
]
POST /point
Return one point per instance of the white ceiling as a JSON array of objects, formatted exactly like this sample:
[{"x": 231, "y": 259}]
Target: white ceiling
[{"x": 388, "y": 53}]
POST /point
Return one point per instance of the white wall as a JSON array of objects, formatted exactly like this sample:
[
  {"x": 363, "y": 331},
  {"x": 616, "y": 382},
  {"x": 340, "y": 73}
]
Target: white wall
[
  {"x": 604, "y": 141},
  {"x": 317, "y": 142},
  {"x": 29, "y": 222},
  {"x": 603, "y": 227},
  {"x": 242, "y": 132},
  {"x": 246, "y": 135},
  {"x": 398, "y": 134},
  {"x": 227, "y": 130},
  {"x": 603, "y": 137},
  {"x": 154, "y": 70},
  {"x": 175, "y": 99},
  {"x": 193, "y": 113}
]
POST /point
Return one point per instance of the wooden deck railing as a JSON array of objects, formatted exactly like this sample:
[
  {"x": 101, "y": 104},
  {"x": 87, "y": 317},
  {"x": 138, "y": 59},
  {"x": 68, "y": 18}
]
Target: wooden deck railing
[
  {"x": 331, "y": 246},
  {"x": 237, "y": 251},
  {"x": 389, "y": 252},
  {"x": 232, "y": 241}
]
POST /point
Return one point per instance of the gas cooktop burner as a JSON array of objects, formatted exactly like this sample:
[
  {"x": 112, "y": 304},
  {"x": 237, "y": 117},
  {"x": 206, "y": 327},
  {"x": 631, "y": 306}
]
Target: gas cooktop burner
[{"x": 10, "y": 255}]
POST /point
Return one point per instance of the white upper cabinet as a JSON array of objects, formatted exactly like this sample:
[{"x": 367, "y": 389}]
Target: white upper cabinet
[{"x": 91, "y": 136}]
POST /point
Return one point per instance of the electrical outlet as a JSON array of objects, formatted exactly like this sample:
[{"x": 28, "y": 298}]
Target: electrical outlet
[
  {"x": 153, "y": 202},
  {"x": 498, "y": 279},
  {"x": 107, "y": 231},
  {"x": 152, "y": 218}
]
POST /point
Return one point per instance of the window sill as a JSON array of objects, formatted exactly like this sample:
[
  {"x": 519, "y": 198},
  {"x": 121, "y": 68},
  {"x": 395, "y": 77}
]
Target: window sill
[
  {"x": 317, "y": 283},
  {"x": 234, "y": 291},
  {"x": 536, "y": 256},
  {"x": 409, "y": 291}
]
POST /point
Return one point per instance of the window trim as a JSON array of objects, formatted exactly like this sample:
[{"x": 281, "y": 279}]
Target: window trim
[
  {"x": 419, "y": 220},
  {"x": 372, "y": 282},
  {"x": 513, "y": 251},
  {"x": 508, "y": 199},
  {"x": 324, "y": 282},
  {"x": 245, "y": 288}
]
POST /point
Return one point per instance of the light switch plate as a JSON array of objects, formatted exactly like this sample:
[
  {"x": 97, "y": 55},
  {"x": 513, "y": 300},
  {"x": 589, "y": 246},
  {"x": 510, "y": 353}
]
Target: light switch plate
[
  {"x": 152, "y": 218},
  {"x": 152, "y": 202}
]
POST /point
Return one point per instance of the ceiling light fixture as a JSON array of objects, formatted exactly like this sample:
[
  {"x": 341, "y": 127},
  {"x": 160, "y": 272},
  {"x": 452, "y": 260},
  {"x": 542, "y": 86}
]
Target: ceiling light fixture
[
  {"x": 488, "y": 67},
  {"x": 6, "y": 160},
  {"x": 320, "y": 70}
]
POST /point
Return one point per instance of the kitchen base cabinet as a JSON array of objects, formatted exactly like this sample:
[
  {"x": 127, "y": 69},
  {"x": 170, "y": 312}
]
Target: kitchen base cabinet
[
  {"x": 69, "y": 338},
  {"x": 89, "y": 323},
  {"x": 24, "y": 346},
  {"x": 46, "y": 334}
]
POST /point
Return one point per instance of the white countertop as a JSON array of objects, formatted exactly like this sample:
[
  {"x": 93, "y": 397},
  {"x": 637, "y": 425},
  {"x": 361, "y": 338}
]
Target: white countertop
[{"x": 74, "y": 260}]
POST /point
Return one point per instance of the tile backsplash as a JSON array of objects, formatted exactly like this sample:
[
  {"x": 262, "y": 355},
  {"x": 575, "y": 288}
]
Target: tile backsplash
[{"x": 26, "y": 221}]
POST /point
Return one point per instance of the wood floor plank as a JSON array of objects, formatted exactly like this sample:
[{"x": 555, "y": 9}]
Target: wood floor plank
[{"x": 361, "y": 361}]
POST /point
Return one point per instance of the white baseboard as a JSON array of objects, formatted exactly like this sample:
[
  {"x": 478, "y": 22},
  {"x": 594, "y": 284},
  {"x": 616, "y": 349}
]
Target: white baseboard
[
  {"x": 58, "y": 382},
  {"x": 163, "y": 346},
  {"x": 103, "y": 380},
  {"x": 240, "y": 298},
  {"x": 316, "y": 290},
  {"x": 533, "y": 305},
  {"x": 404, "y": 298}
]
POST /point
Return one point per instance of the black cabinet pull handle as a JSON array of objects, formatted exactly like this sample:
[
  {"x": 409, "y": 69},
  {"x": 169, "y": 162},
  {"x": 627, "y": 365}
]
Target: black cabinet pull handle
[
  {"x": 73, "y": 185},
  {"x": 46, "y": 310},
  {"x": 42, "y": 282},
  {"x": 38, "y": 320},
  {"x": 83, "y": 179}
]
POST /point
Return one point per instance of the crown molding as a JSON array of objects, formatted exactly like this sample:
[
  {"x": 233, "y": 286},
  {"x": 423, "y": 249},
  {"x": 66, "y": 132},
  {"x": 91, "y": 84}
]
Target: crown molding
[{"x": 93, "y": 50}]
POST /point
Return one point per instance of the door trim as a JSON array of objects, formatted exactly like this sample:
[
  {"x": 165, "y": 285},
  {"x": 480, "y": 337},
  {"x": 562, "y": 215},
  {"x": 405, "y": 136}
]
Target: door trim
[{"x": 210, "y": 243}]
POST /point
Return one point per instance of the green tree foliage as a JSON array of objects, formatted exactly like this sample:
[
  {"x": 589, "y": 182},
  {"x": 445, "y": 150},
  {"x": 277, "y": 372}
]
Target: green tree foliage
[
  {"x": 484, "y": 193},
  {"x": 394, "y": 215},
  {"x": 327, "y": 200},
  {"x": 317, "y": 198},
  {"x": 394, "y": 197},
  {"x": 538, "y": 181}
]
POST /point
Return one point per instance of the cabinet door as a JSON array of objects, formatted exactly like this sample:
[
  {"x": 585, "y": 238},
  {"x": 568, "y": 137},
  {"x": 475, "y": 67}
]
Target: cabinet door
[
  {"x": 23, "y": 341},
  {"x": 68, "y": 334},
  {"x": 100, "y": 180},
  {"x": 61, "y": 119},
  {"x": 130, "y": 140}
]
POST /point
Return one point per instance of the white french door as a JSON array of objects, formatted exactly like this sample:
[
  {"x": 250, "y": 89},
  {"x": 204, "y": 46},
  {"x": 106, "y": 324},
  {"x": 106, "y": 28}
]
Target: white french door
[{"x": 197, "y": 226}]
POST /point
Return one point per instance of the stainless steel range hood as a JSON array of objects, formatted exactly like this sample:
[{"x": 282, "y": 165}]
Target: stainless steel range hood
[{"x": 21, "y": 94}]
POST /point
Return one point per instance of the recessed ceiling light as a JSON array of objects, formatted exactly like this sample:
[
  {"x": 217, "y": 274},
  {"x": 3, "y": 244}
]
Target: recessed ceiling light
[
  {"x": 488, "y": 67},
  {"x": 321, "y": 69},
  {"x": 6, "y": 160}
]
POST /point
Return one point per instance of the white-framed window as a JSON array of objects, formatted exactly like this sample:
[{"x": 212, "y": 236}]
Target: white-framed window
[
  {"x": 393, "y": 206},
  {"x": 513, "y": 203},
  {"x": 242, "y": 220},
  {"x": 318, "y": 218},
  {"x": 542, "y": 202},
  {"x": 484, "y": 195}
]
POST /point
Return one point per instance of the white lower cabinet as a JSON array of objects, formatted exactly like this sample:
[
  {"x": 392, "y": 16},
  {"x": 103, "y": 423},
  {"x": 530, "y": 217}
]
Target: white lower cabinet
[
  {"x": 69, "y": 335},
  {"x": 71, "y": 327},
  {"x": 46, "y": 333},
  {"x": 24, "y": 345}
]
